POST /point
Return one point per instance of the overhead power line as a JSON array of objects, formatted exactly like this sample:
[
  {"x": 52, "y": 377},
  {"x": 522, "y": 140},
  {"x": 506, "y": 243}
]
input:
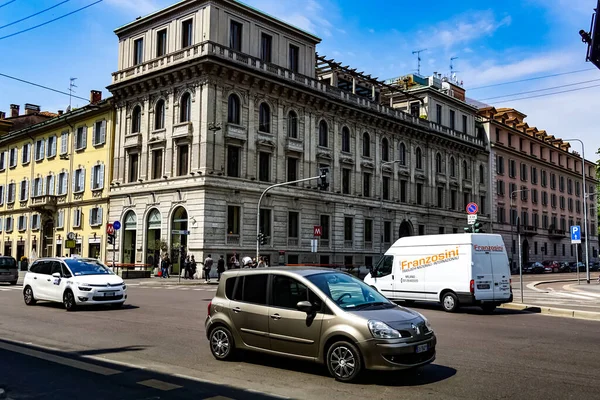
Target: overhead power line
[
  {"x": 33, "y": 15},
  {"x": 7, "y": 3},
  {"x": 540, "y": 90},
  {"x": 52, "y": 20},
  {"x": 531, "y": 79},
  {"x": 549, "y": 94},
  {"x": 41, "y": 86}
]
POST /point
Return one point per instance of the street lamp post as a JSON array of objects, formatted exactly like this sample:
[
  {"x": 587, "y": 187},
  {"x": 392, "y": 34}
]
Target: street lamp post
[
  {"x": 381, "y": 233},
  {"x": 512, "y": 198},
  {"x": 585, "y": 222}
]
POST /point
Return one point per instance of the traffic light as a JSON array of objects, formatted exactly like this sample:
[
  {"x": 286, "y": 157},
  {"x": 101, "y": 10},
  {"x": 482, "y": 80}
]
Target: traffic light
[
  {"x": 468, "y": 229},
  {"x": 262, "y": 239},
  {"x": 111, "y": 239},
  {"x": 323, "y": 183},
  {"x": 477, "y": 227}
]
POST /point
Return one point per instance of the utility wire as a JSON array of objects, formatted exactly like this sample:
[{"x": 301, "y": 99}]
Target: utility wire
[
  {"x": 7, "y": 3},
  {"x": 540, "y": 90},
  {"x": 52, "y": 20},
  {"x": 33, "y": 15},
  {"x": 549, "y": 94},
  {"x": 41, "y": 86},
  {"x": 531, "y": 79}
]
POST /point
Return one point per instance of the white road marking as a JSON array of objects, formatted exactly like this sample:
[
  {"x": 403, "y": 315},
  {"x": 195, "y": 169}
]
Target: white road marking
[{"x": 160, "y": 385}]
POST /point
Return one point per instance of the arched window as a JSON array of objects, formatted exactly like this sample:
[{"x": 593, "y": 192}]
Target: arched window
[
  {"x": 481, "y": 174},
  {"x": 385, "y": 150},
  {"x": 323, "y": 134},
  {"x": 292, "y": 124},
  {"x": 419, "y": 158},
  {"x": 465, "y": 170},
  {"x": 402, "y": 154},
  {"x": 366, "y": 145},
  {"x": 233, "y": 109},
  {"x": 136, "y": 119},
  {"x": 264, "y": 118},
  {"x": 438, "y": 163},
  {"x": 129, "y": 237},
  {"x": 159, "y": 114},
  {"x": 452, "y": 167},
  {"x": 346, "y": 139},
  {"x": 185, "y": 107}
]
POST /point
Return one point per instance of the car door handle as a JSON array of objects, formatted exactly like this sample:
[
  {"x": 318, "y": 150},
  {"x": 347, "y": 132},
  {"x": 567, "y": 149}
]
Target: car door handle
[
  {"x": 35, "y": 277},
  {"x": 276, "y": 316},
  {"x": 237, "y": 310},
  {"x": 48, "y": 280}
]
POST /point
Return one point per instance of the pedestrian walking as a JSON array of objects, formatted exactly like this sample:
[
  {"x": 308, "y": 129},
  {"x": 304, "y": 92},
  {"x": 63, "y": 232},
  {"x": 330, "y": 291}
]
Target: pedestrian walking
[
  {"x": 220, "y": 268},
  {"x": 164, "y": 266},
  {"x": 187, "y": 268},
  {"x": 208, "y": 263},
  {"x": 247, "y": 262},
  {"x": 234, "y": 261},
  {"x": 193, "y": 266},
  {"x": 261, "y": 263}
]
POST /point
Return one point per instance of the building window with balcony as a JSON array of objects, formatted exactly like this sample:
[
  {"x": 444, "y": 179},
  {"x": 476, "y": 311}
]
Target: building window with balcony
[
  {"x": 98, "y": 177},
  {"x": 48, "y": 188},
  {"x": 438, "y": 113},
  {"x": 481, "y": 175},
  {"x": 265, "y": 223},
  {"x": 185, "y": 107},
  {"x": 385, "y": 150},
  {"x": 264, "y": 166},
  {"x": 464, "y": 123},
  {"x": 452, "y": 119},
  {"x": 264, "y": 118},
  {"x": 544, "y": 221},
  {"x": 440, "y": 197},
  {"x": 501, "y": 215},
  {"x": 79, "y": 180},
  {"x": 187, "y": 33},
  {"x": 386, "y": 187},
  {"x": 419, "y": 159},
  {"x": 402, "y": 154},
  {"x": 323, "y": 134},
  {"x": 452, "y": 167},
  {"x": 39, "y": 150},
  {"x": 403, "y": 191},
  {"x": 348, "y": 231},
  {"x": 235, "y": 35},
  {"x": 292, "y": 169},
  {"x": 10, "y": 193},
  {"x": 293, "y": 227},
  {"x": 346, "y": 173},
  {"x": 453, "y": 199},
  {"x": 24, "y": 195},
  {"x": 536, "y": 220},
  {"x": 161, "y": 43},
  {"x": 524, "y": 218},
  {"x": 183, "y": 159},
  {"x": 233, "y": 109},
  {"x": 266, "y": 47},
  {"x": 346, "y": 139},
  {"x": 61, "y": 184},
  {"x": 466, "y": 174},
  {"x": 233, "y": 224},
  {"x": 138, "y": 51},
  {"x": 22, "y": 223},
  {"x": 438, "y": 163},
  {"x": 368, "y": 234},
  {"x": 132, "y": 167},
  {"x": 294, "y": 53},
  {"x": 136, "y": 124},
  {"x": 36, "y": 190},
  {"x": 292, "y": 125},
  {"x": 419, "y": 193},
  {"x": 8, "y": 224},
  {"x": 96, "y": 216},
  {"x": 159, "y": 115},
  {"x": 366, "y": 184},
  {"x": 366, "y": 145},
  {"x": 157, "y": 164},
  {"x": 233, "y": 161}
]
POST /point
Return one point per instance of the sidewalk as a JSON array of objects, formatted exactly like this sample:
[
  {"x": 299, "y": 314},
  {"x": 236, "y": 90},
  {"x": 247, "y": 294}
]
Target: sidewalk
[{"x": 156, "y": 281}]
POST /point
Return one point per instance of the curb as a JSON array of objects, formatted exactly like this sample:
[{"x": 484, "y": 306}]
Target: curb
[
  {"x": 534, "y": 284},
  {"x": 553, "y": 311},
  {"x": 175, "y": 284}
]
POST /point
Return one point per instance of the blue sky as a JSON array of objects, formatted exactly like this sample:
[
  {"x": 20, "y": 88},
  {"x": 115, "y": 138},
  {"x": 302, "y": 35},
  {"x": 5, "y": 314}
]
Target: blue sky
[{"x": 495, "y": 42}]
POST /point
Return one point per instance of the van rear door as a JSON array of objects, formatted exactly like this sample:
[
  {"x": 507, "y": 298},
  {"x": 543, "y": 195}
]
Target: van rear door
[
  {"x": 501, "y": 272},
  {"x": 483, "y": 275}
]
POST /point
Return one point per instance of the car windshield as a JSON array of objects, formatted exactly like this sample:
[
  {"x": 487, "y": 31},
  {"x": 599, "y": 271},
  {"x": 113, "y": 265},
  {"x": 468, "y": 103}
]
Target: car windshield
[
  {"x": 81, "y": 267},
  {"x": 348, "y": 292},
  {"x": 6, "y": 262}
]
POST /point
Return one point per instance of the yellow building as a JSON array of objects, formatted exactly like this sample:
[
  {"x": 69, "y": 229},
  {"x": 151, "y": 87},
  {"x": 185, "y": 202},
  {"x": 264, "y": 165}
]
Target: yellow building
[{"x": 54, "y": 180}]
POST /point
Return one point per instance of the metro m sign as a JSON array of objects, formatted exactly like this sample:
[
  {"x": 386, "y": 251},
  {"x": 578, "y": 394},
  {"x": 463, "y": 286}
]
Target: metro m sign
[{"x": 318, "y": 229}]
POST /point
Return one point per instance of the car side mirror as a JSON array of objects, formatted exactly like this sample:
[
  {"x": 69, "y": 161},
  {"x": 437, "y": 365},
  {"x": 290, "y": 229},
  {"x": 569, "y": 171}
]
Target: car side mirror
[
  {"x": 56, "y": 275},
  {"x": 305, "y": 306}
]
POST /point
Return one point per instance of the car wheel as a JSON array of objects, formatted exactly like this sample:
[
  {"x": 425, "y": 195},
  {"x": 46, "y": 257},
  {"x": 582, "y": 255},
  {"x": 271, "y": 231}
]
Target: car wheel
[
  {"x": 343, "y": 361},
  {"x": 69, "y": 301},
  {"x": 28, "y": 296},
  {"x": 488, "y": 308},
  {"x": 221, "y": 342},
  {"x": 13, "y": 283},
  {"x": 450, "y": 302}
]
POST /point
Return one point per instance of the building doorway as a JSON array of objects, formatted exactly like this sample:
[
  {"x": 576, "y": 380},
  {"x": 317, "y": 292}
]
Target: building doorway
[
  {"x": 48, "y": 238},
  {"x": 405, "y": 229},
  {"x": 153, "y": 238},
  {"x": 179, "y": 238},
  {"x": 129, "y": 237},
  {"x": 21, "y": 253}
]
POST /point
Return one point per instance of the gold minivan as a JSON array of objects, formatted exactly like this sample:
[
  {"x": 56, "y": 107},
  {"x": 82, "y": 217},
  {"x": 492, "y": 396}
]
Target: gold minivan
[{"x": 316, "y": 314}]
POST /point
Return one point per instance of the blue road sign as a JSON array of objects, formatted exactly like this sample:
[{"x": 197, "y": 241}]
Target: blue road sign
[
  {"x": 472, "y": 208},
  {"x": 117, "y": 225},
  {"x": 575, "y": 234}
]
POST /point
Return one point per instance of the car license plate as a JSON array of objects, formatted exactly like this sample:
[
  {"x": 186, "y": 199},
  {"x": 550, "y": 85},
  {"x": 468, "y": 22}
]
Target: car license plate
[
  {"x": 4, "y": 273},
  {"x": 421, "y": 348},
  {"x": 109, "y": 294}
]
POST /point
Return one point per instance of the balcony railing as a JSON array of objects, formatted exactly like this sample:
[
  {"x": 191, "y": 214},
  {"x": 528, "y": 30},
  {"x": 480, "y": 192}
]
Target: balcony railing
[
  {"x": 209, "y": 48},
  {"x": 556, "y": 233},
  {"x": 348, "y": 244},
  {"x": 47, "y": 202},
  {"x": 368, "y": 245},
  {"x": 529, "y": 229},
  {"x": 233, "y": 239},
  {"x": 293, "y": 242}
]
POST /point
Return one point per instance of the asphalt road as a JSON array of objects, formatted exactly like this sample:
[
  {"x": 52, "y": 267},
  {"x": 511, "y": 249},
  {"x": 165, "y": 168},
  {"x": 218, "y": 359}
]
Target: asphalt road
[{"x": 160, "y": 334}]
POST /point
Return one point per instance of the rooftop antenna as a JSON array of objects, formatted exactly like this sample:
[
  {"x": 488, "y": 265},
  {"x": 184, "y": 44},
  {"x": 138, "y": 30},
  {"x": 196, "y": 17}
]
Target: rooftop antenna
[
  {"x": 418, "y": 53},
  {"x": 71, "y": 90},
  {"x": 452, "y": 71}
]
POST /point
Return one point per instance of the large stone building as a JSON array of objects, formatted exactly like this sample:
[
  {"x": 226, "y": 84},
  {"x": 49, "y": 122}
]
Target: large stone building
[
  {"x": 54, "y": 178},
  {"x": 215, "y": 101},
  {"x": 545, "y": 177}
]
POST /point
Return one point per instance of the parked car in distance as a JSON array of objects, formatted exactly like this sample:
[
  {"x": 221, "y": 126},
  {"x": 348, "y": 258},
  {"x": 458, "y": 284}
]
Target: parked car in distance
[
  {"x": 73, "y": 281},
  {"x": 574, "y": 266},
  {"x": 9, "y": 271},
  {"x": 534, "y": 268},
  {"x": 564, "y": 267},
  {"x": 551, "y": 266},
  {"x": 316, "y": 314}
]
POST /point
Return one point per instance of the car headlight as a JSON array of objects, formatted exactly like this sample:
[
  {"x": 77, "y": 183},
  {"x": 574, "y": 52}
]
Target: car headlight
[
  {"x": 381, "y": 330},
  {"x": 84, "y": 288},
  {"x": 427, "y": 323},
  {"x": 124, "y": 286}
]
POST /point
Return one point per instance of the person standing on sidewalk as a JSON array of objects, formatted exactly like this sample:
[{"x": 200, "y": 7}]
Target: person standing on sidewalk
[
  {"x": 220, "y": 268},
  {"x": 193, "y": 266},
  {"x": 208, "y": 263}
]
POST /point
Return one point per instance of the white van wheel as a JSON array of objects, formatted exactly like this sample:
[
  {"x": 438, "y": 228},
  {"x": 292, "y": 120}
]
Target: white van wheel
[{"x": 450, "y": 302}]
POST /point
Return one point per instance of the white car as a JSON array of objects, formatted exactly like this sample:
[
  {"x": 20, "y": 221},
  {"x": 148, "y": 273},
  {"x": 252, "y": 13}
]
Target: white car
[{"x": 74, "y": 282}]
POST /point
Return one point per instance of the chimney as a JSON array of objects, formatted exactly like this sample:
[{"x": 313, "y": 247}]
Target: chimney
[
  {"x": 2, "y": 115},
  {"x": 95, "y": 96},
  {"x": 14, "y": 110},
  {"x": 60, "y": 112},
  {"x": 31, "y": 109}
]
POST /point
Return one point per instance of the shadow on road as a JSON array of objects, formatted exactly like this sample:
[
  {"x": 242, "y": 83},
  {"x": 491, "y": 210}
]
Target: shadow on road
[
  {"x": 90, "y": 308},
  {"x": 31, "y": 372},
  {"x": 111, "y": 350},
  {"x": 471, "y": 310}
]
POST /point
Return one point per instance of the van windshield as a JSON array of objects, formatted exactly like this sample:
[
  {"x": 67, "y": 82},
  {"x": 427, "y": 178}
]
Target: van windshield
[
  {"x": 6, "y": 262},
  {"x": 87, "y": 267},
  {"x": 348, "y": 292}
]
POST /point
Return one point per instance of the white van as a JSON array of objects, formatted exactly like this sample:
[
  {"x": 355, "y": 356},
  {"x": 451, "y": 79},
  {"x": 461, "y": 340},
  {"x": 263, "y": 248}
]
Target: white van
[{"x": 456, "y": 270}]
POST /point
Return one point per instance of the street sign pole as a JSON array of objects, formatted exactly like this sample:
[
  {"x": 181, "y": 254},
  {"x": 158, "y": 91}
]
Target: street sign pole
[
  {"x": 520, "y": 266},
  {"x": 114, "y": 251},
  {"x": 577, "y": 263}
]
